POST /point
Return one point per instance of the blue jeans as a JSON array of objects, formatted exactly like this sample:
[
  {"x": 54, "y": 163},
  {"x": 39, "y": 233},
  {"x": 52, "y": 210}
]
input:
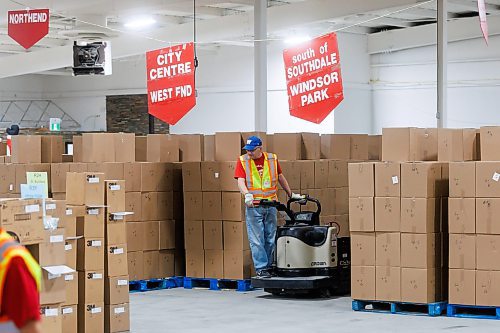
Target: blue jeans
[{"x": 261, "y": 228}]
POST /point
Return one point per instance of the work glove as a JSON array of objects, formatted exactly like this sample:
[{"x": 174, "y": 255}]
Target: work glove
[
  {"x": 297, "y": 196},
  {"x": 249, "y": 200}
]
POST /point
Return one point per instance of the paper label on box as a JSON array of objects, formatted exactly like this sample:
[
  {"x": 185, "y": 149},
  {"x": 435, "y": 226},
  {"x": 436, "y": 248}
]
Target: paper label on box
[
  {"x": 117, "y": 217},
  {"x": 95, "y": 310},
  {"x": 496, "y": 177},
  {"x": 115, "y": 187},
  {"x": 93, "y": 180},
  {"x": 118, "y": 251},
  {"x": 96, "y": 276},
  {"x": 395, "y": 180},
  {"x": 119, "y": 310},
  {"x": 96, "y": 243},
  {"x": 67, "y": 311},
  {"x": 50, "y": 206},
  {"x": 216, "y": 175},
  {"x": 93, "y": 211},
  {"x": 57, "y": 239},
  {"x": 11, "y": 187},
  {"x": 32, "y": 209},
  {"x": 122, "y": 282},
  {"x": 68, "y": 247},
  {"x": 50, "y": 312},
  {"x": 69, "y": 211},
  {"x": 69, "y": 277}
]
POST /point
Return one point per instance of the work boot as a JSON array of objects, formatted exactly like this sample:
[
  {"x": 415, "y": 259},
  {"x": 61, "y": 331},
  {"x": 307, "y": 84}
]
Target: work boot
[{"x": 263, "y": 274}]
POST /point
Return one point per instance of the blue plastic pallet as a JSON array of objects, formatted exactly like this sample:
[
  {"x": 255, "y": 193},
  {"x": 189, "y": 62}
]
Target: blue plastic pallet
[
  {"x": 155, "y": 284},
  {"x": 404, "y": 308},
  {"x": 473, "y": 311},
  {"x": 217, "y": 284}
]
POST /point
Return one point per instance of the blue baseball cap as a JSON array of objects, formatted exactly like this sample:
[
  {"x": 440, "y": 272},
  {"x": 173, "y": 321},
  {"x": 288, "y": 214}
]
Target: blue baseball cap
[{"x": 252, "y": 143}]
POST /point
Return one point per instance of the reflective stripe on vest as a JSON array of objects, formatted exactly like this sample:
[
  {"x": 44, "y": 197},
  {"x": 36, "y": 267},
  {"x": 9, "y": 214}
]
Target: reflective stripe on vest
[
  {"x": 265, "y": 186},
  {"x": 8, "y": 327}
]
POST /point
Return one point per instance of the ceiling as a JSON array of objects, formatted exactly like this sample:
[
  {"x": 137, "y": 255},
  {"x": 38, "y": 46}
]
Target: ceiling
[{"x": 386, "y": 22}]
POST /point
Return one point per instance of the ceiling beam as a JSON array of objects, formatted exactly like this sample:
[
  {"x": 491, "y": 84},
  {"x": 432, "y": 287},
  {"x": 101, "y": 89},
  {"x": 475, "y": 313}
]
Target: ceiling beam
[{"x": 425, "y": 35}]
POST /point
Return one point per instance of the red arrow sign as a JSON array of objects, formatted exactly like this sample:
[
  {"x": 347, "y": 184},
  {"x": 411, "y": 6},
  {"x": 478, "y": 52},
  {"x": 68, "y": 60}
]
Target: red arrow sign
[
  {"x": 313, "y": 78},
  {"x": 171, "y": 89},
  {"x": 27, "y": 27}
]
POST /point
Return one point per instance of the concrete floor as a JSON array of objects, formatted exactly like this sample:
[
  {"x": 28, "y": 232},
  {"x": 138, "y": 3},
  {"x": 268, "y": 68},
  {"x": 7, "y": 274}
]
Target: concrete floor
[{"x": 181, "y": 310}]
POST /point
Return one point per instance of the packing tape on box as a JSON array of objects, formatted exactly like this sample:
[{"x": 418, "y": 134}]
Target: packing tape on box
[{"x": 66, "y": 311}]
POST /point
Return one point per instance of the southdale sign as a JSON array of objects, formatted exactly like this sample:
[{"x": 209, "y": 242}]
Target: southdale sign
[{"x": 27, "y": 27}]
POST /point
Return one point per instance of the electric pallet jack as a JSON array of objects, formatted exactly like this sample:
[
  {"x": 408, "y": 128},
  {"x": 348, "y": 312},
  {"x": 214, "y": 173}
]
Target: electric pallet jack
[{"x": 310, "y": 258}]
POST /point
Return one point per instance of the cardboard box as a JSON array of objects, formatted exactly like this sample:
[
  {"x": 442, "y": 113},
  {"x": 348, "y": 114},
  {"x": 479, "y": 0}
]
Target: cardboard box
[
  {"x": 58, "y": 176},
  {"x": 117, "y": 318},
  {"x": 387, "y": 249},
  {"x": 151, "y": 240},
  {"x": 462, "y": 215},
  {"x": 363, "y": 280},
  {"x": 288, "y": 146},
  {"x": 212, "y": 235},
  {"x": 375, "y": 147},
  {"x": 237, "y": 264},
  {"x": 135, "y": 236},
  {"x": 52, "y": 148},
  {"x": 156, "y": 177},
  {"x": 141, "y": 148},
  {"x": 165, "y": 206},
  {"x": 23, "y": 217},
  {"x": 421, "y": 250},
  {"x": 77, "y": 148},
  {"x": 420, "y": 285},
  {"x": 133, "y": 203},
  {"x": 462, "y": 180},
  {"x": 116, "y": 260},
  {"x": 135, "y": 265},
  {"x": 212, "y": 206},
  {"x": 51, "y": 319},
  {"x": 193, "y": 235},
  {"x": 178, "y": 206},
  {"x": 166, "y": 265},
  {"x": 359, "y": 147},
  {"x": 149, "y": 206},
  {"x": 227, "y": 181},
  {"x": 311, "y": 146},
  {"x": 489, "y": 143},
  {"x": 336, "y": 146},
  {"x": 235, "y": 236},
  {"x": 363, "y": 248},
  {"x": 162, "y": 148},
  {"x": 228, "y": 146},
  {"x": 90, "y": 254},
  {"x": 420, "y": 180},
  {"x": 70, "y": 246},
  {"x": 53, "y": 288},
  {"x": 73, "y": 214},
  {"x": 124, "y": 147},
  {"x": 71, "y": 287},
  {"x": 132, "y": 176},
  {"x": 321, "y": 174},
  {"x": 487, "y": 252},
  {"x": 191, "y": 176},
  {"x": 167, "y": 234},
  {"x": 7, "y": 178},
  {"x": 361, "y": 214},
  {"x": 387, "y": 214},
  {"x": 487, "y": 179},
  {"x": 214, "y": 264},
  {"x": 151, "y": 270},
  {"x": 388, "y": 283},
  {"x": 98, "y": 147},
  {"x": 49, "y": 253},
  {"x": 26, "y": 149},
  {"x": 210, "y": 176},
  {"x": 209, "y": 148},
  {"x": 193, "y": 206},
  {"x": 116, "y": 290},
  {"x": 116, "y": 231},
  {"x": 462, "y": 251},
  {"x": 69, "y": 318},
  {"x": 388, "y": 179},
  {"x": 90, "y": 317},
  {"x": 419, "y": 215},
  {"x": 91, "y": 286},
  {"x": 191, "y": 147},
  {"x": 115, "y": 196},
  {"x": 292, "y": 172},
  {"x": 487, "y": 211},
  {"x": 20, "y": 172},
  {"x": 85, "y": 189},
  {"x": 306, "y": 174},
  {"x": 409, "y": 144},
  {"x": 361, "y": 179},
  {"x": 488, "y": 288},
  {"x": 195, "y": 263},
  {"x": 337, "y": 174},
  {"x": 233, "y": 208},
  {"x": 92, "y": 224},
  {"x": 462, "y": 286},
  {"x": 78, "y": 167},
  {"x": 456, "y": 144}
]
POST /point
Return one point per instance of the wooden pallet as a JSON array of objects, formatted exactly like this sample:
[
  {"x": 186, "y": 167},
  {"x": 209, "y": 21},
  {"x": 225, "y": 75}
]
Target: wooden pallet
[
  {"x": 155, "y": 284},
  {"x": 473, "y": 311},
  {"x": 405, "y": 308},
  {"x": 217, "y": 284}
]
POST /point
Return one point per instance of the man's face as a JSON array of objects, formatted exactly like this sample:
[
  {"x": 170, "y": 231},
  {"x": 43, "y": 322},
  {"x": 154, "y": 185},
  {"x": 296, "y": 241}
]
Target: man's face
[{"x": 255, "y": 154}]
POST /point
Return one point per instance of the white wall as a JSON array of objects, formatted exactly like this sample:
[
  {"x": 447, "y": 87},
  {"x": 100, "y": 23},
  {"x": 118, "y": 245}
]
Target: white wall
[{"x": 404, "y": 86}]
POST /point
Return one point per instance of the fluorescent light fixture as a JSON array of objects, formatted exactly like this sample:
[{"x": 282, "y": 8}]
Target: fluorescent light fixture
[
  {"x": 140, "y": 22},
  {"x": 297, "y": 40}
]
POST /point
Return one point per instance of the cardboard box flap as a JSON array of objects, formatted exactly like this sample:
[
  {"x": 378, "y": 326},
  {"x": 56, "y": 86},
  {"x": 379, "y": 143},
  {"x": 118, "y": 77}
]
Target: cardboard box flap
[{"x": 57, "y": 271}]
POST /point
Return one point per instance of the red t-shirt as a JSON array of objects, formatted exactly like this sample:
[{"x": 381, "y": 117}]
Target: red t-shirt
[
  {"x": 20, "y": 300},
  {"x": 239, "y": 171}
]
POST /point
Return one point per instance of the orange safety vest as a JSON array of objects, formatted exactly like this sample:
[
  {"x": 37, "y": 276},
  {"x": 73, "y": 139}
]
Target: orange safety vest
[
  {"x": 10, "y": 249},
  {"x": 265, "y": 187}
]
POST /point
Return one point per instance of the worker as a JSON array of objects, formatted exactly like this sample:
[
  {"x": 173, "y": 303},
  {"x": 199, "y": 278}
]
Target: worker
[
  {"x": 258, "y": 174},
  {"x": 20, "y": 280}
]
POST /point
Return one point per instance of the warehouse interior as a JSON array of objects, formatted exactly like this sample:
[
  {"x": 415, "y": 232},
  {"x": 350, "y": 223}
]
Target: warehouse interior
[{"x": 386, "y": 133}]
